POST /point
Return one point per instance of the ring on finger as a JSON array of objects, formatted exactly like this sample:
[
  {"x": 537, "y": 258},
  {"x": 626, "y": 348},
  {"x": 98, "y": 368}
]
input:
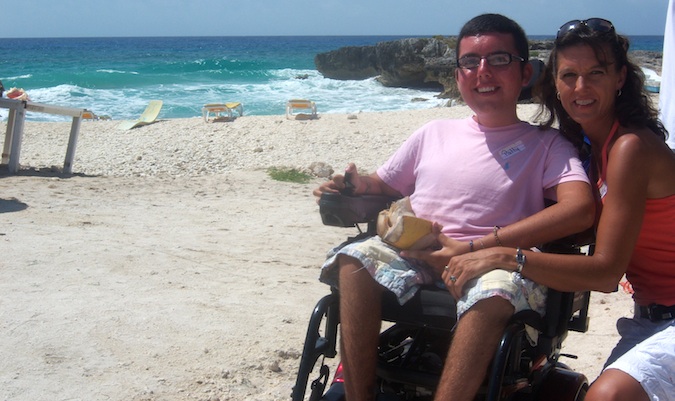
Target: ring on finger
[{"x": 453, "y": 278}]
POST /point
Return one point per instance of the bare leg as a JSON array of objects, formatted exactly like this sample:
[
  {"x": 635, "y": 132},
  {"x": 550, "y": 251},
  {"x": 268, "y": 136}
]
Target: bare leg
[
  {"x": 616, "y": 385},
  {"x": 360, "y": 321},
  {"x": 474, "y": 344}
]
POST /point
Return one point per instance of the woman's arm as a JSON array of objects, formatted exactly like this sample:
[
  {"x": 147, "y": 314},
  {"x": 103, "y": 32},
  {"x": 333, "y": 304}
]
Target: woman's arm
[
  {"x": 573, "y": 213},
  {"x": 619, "y": 226}
]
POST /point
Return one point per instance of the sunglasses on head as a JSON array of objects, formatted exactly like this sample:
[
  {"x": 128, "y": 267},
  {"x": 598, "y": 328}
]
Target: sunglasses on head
[{"x": 594, "y": 24}]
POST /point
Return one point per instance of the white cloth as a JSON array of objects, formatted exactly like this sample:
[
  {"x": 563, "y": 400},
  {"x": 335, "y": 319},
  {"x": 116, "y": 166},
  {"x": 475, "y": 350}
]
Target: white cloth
[
  {"x": 652, "y": 363},
  {"x": 667, "y": 92}
]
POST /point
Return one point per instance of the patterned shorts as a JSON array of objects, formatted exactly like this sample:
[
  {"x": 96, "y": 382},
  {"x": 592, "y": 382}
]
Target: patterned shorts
[
  {"x": 523, "y": 293},
  {"x": 400, "y": 276},
  {"x": 404, "y": 277}
]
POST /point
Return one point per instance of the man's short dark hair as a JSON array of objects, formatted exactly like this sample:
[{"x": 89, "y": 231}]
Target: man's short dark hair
[{"x": 490, "y": 23}]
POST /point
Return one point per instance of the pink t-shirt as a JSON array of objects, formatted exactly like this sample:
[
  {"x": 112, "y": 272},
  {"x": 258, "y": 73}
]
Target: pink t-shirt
[{"x": 470, "y": 178}]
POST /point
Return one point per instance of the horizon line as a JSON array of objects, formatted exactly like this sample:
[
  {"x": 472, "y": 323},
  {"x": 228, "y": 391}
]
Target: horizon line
[{"x": 266, "y": 36}]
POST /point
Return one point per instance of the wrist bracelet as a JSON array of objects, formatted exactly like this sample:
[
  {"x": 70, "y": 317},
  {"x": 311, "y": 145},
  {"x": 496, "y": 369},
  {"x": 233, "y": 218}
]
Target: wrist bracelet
[{"x": 494, "y": 230}]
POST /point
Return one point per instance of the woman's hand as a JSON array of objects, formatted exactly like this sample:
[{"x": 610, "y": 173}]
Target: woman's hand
[{"x": 463, "y": 268}]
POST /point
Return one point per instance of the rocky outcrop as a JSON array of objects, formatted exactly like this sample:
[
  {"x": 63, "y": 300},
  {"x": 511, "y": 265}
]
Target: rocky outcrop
[
  {"x": 442, "y": 70},
  {"x": 649, "y": 59},
  {"x": 410, "y": 63},
  {"x": 348, "y": 63},
  {"x": 422, "y": 63}
]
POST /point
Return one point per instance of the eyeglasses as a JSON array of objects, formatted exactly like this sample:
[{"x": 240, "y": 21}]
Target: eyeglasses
[
  {"x": 497, "y": 59},
  {"x": 594, "y": 24}
]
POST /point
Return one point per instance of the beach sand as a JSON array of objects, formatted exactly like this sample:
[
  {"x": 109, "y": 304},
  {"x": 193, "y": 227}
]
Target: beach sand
[{"x": 169, "y": 266}]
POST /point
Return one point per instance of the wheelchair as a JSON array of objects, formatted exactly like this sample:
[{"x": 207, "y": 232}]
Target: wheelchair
[{"x": 412, "y": 348}]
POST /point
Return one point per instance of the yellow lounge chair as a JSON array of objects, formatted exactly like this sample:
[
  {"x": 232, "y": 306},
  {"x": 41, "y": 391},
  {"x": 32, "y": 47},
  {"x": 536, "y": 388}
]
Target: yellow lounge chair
[
  {"x": 149, "y": 116},
  {"x": 301, "y": 104},
  {"x": 218, "y": 108}
]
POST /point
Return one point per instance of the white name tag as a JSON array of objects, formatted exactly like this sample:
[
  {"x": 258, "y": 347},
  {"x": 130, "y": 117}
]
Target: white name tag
[{"x": 512, "y": 150}]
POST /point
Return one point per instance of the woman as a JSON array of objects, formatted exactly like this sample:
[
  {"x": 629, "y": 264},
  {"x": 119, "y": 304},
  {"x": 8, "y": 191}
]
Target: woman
[{"x": 592, "y": 88}]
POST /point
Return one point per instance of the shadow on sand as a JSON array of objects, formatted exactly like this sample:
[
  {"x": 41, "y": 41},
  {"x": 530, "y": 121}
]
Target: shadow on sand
[
  {"x": 49, "y": 172},
  {"x": 11, "y": 205},
  {"x": 14, "y": 205}
]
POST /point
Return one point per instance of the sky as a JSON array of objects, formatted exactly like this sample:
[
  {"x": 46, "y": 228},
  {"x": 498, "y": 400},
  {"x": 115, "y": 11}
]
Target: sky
[{"x": 111, "y": 18}]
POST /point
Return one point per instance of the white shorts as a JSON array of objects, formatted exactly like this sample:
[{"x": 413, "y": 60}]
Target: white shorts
[{"x": 652, "y": 363}]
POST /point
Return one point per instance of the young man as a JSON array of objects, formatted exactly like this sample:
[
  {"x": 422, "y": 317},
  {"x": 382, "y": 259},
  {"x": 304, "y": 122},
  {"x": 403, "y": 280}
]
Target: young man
[{"x": 483, "y": 180}]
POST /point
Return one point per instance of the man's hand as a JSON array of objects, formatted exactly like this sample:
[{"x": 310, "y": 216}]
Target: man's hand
[
  {"x": 350, "y": 181},
  {"x": 437, "y": 258}
]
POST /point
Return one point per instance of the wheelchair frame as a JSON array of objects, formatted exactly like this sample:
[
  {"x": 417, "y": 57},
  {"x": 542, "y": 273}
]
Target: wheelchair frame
[{"x": 519, "y": 370}]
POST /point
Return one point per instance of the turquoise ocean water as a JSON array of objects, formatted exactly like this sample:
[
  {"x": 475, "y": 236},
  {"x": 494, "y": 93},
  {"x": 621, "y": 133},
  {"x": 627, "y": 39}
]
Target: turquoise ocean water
[{"x": 118, "y": 76}]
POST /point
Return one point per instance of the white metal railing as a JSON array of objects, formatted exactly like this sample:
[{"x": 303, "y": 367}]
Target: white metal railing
[{"x": 14, "y": 133}]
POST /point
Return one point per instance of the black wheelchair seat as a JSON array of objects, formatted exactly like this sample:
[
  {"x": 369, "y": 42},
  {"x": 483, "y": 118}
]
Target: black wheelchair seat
[{"x": 431, "y": 306}]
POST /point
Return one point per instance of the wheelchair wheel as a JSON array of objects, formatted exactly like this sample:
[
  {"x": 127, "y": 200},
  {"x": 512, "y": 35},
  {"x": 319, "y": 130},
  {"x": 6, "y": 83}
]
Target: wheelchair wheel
[
  {"x": 320, "y": 343},
  {"x": 563, "y": 385}
]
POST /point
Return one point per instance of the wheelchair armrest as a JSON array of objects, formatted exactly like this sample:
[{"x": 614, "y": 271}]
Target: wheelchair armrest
[
  {"x": 342, "y": 210},
  {"x": 568, "y": 310},
  {"x": 579, "y": 320}
]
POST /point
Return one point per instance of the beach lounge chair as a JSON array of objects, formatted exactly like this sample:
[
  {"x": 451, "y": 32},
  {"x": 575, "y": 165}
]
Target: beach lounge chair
[
  {"x": 301, "y": 104},
  {"x": 219, "y": 108},
  {"x": 89, "y": 115},
  {"x": 149, "y": 116}
]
